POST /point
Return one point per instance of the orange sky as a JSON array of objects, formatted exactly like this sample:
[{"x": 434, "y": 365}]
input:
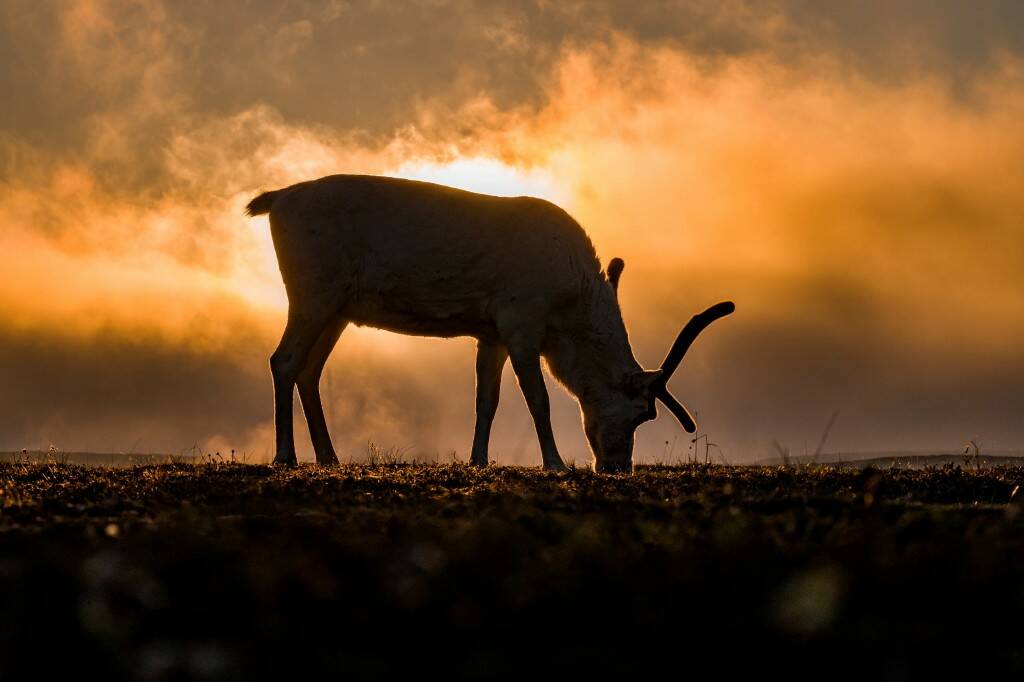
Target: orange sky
[{"x": 852, "y": 179}]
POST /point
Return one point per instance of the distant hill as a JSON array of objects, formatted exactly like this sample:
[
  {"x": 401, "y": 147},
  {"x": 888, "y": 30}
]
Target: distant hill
[
  {"x": 115, "y": 459},
  {"x": 903, "y": 460},
  {"x": 855, "y": 460}
]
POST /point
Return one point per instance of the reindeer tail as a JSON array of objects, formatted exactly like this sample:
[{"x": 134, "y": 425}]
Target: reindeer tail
[{"x": 261, "y": 204}]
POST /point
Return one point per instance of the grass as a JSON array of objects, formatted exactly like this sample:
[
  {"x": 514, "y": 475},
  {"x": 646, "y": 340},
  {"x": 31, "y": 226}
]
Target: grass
[{"x": 235, "y": 571}]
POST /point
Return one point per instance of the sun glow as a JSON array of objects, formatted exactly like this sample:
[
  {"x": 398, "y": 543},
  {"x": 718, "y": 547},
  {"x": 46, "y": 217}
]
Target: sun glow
[{"x": 487, "y": 176}]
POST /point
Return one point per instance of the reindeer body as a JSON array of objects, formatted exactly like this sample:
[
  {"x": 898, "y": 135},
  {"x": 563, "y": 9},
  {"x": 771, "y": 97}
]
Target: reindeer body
[
  {"x": 518, "y": 274},
  {"x": 417, "y": 258}
]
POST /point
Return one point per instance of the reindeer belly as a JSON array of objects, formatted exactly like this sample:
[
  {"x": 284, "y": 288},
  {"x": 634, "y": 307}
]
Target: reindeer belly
[{"x": 421, "y": 315}]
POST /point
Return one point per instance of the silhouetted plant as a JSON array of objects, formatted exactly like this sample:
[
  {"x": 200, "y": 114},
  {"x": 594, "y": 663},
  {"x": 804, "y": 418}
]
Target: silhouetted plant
[
  {"x": 971, "y": 445},
  {"x": 783, "y": 453},
  {"x": 377, "y": 455}
]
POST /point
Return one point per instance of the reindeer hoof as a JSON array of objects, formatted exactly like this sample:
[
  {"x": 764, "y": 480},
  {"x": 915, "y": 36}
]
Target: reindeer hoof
[
  {"x": 286, "y": 461},
  {"x": 555, "y": 466}
]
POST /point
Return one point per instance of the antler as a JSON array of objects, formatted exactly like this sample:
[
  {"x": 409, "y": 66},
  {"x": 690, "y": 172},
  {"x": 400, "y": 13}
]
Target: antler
[
  {"x": 615, "y": 268},
  {"x": 689, "y": 333}
]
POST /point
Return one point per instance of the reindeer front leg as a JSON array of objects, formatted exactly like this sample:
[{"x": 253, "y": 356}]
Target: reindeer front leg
[
  {"x": 526, "y": 364},
  {"x": 490, "y": 361}
]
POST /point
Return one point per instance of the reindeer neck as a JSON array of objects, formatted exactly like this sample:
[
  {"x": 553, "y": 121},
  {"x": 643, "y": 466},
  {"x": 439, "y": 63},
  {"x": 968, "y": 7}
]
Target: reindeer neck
[{"x": 591, "y": 355}]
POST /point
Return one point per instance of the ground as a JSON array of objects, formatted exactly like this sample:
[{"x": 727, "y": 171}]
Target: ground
[{"x": 232, "y": 571}]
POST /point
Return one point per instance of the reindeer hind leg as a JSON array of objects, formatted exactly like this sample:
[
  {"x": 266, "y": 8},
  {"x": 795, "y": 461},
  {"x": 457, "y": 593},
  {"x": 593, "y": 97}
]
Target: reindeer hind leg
[
  {"x": 308, "y": 383},
  {"x": 300, "y": 335}
]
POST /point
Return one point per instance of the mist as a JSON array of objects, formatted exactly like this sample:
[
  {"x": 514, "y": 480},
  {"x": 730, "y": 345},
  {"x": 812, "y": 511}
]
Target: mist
[{"x": 850, "y": 178}]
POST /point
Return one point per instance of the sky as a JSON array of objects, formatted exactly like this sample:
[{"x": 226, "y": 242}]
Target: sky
[{"x": 848, "y": 173}]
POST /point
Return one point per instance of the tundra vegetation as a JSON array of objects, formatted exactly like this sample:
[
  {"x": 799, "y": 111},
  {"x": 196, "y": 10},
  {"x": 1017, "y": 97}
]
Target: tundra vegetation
[{"x": 240, "y": 571}]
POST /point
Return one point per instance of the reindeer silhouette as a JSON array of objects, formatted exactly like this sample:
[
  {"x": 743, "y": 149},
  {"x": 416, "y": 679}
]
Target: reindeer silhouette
[{"x": 517, "y": 274}]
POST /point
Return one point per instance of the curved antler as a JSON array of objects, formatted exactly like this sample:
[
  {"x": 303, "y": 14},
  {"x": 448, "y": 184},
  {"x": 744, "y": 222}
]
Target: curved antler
[{"x": 688, "y": 334}]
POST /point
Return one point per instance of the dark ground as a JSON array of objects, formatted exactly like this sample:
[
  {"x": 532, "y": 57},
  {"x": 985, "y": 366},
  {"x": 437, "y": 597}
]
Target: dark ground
[{"x": 242, "y": 572}]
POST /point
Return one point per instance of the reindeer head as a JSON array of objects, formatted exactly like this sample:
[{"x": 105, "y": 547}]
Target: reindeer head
[{"x": 611, "y": 420}]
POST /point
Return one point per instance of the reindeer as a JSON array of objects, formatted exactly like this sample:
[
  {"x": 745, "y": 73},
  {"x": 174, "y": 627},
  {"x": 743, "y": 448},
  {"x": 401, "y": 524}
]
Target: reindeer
[{"x": 517, "y": 274}]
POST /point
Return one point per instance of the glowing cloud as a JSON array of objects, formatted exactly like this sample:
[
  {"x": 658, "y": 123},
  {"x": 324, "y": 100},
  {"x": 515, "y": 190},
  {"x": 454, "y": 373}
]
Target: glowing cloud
[
  {"x": 867, "y": 221},
  {"x": 487, "y": 176}
]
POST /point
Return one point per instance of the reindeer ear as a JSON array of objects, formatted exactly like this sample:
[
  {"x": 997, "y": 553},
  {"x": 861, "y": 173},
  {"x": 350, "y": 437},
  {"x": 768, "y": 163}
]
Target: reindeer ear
[
  {"x": 640, "y": 382},
  {"x": 615, "y": 271}
]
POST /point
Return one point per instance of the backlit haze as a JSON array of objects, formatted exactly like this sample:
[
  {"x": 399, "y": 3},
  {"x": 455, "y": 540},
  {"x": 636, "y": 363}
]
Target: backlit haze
[{"x": 851, "y": 174}]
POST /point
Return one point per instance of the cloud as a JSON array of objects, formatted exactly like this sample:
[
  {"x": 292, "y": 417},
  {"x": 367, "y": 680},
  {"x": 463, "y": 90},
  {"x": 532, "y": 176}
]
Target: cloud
[{"x": 859, "y": 199}]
